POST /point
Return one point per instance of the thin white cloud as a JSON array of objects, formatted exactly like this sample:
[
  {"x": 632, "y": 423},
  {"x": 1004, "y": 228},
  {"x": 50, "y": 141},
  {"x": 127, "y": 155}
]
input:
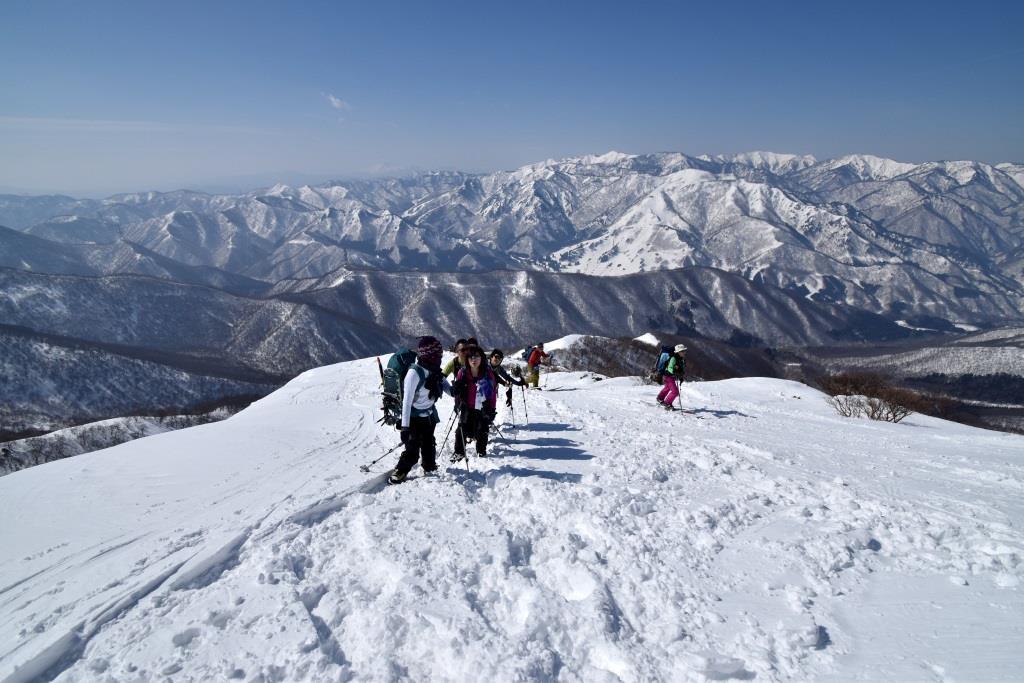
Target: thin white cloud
[{"x": 337, "y": 102}]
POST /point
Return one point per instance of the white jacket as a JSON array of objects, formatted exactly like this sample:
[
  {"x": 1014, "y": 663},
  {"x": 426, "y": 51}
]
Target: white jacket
[{"x": 415, "y": 397}]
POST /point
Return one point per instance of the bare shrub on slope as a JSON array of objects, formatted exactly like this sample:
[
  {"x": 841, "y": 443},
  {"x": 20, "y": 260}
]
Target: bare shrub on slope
[{"x": 853, "y": 394}]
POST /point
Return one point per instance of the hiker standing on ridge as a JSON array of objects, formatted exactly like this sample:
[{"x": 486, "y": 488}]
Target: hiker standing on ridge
[
  {"x": 453, "y": 366},
  {"x": 476, "y": 393},
  {"x": 423, "y": 386},
  {"x": 501, "y": 374},
  {"x": 533, "y": 363},
  {"x": 675, "y": 370}
]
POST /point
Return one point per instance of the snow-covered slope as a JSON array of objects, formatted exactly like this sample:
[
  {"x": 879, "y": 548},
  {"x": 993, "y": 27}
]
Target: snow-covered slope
[{"x": 759, "y": 537}]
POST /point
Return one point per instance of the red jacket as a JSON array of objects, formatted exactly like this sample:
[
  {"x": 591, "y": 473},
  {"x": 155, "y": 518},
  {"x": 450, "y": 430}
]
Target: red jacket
[{"x": 535, "y": 357}]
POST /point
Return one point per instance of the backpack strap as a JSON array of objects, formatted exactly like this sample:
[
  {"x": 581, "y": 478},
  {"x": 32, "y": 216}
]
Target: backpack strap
[{"x": 421, "y": 373}]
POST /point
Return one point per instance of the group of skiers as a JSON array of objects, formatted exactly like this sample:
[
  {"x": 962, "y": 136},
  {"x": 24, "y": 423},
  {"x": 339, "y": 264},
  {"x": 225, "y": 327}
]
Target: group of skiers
[
  {"x": 474, "y": 388},
  {"x": 476, "y": 378}
]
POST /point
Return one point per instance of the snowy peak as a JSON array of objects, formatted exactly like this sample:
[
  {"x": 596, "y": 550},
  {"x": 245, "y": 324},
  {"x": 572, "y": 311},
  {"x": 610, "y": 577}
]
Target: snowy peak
[
  {"x": 608, "y": 158},
  {"x": 779, "y": 164},
  {"x": 1015, "y": 171},
  {"x": 868, "y": 167}
]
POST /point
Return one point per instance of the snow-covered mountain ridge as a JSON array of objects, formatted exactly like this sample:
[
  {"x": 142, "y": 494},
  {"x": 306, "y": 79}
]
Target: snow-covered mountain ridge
[
  {"x": 759, "y": 536},
  {"x": 758, "y": 248},
  {"x": 939, "y": 239}
]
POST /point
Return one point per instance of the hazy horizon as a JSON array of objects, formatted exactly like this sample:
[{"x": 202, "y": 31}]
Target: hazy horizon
[{"x": 244, "y": 184}]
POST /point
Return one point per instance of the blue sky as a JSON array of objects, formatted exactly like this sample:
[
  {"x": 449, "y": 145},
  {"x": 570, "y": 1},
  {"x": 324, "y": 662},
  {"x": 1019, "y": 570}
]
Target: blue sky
[{"x": 99, "y": 97}]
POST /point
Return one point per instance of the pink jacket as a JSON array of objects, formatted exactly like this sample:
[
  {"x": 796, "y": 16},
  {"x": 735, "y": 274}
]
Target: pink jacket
[{"x": 482, "y": 391}]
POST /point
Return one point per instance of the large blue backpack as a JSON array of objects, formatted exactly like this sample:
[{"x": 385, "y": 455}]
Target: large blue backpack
[{"x": 666, "y": 354}]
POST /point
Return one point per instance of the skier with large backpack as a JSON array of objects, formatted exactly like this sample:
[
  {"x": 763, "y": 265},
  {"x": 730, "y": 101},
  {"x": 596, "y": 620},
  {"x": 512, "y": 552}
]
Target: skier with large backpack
[
  {"x": 534, "y": 359},
  {"x": 475, "y": 391},
  {"x": 391, "y": 379},
  {"x": 672, "y": 371},
  {"x": 422, "y": 386}
]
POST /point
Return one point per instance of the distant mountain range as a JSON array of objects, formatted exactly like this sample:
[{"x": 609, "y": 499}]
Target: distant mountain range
[{"x": 757, "y": 248}]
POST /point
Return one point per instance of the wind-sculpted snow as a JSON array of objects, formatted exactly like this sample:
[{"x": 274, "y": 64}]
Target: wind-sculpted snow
[{"x": 757, "y": 537}]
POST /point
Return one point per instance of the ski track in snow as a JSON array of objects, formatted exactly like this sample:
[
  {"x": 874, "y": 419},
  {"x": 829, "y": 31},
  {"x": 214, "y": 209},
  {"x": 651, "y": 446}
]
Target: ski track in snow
[{"x": 605, "y": 540}]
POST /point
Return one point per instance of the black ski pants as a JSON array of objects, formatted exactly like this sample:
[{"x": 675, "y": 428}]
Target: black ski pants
[
  {"x": 473, "y": 425},
  {"x": 421, "y": 442}
]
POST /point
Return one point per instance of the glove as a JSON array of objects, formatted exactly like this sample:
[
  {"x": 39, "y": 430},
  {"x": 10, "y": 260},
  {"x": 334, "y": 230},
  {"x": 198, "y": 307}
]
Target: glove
[
  {"x": 459, "y": 387},
  {"x": 489, "y": 416},
  {"x": 406, "y": 436}
]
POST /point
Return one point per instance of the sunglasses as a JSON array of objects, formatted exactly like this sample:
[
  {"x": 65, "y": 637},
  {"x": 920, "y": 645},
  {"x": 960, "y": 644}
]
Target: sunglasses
[{"x": 475, "y": 358}]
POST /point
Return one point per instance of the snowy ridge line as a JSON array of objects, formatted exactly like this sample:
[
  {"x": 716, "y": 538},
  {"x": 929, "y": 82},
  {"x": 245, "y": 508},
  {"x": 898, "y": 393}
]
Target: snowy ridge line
[{"x": 610, "y": 541}]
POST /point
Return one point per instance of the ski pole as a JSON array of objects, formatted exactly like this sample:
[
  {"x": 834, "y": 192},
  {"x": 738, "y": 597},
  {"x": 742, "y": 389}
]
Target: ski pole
[
  {"x": 366, "y": 468},
  {"x": 498, "y": 432},
  {"x": 451, "y": 423},
  {"x": 511, "y": 407},
  {"x": 525, "y": 409}
]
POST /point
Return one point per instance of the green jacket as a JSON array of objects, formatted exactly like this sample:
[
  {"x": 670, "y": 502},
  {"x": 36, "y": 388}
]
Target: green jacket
[
  {"x": 676, "y": 367},
  {"x": 452, "y": 367}
]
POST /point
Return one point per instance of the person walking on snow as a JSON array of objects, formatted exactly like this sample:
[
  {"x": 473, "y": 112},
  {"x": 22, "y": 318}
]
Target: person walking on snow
[
  {"x": 675, "y": 370},
  {"x": 533, "y": 363},
  {"x": 501, "y": 374},
  {"x": 422, "y": 387},
  {"x": 476, "y": 393}
]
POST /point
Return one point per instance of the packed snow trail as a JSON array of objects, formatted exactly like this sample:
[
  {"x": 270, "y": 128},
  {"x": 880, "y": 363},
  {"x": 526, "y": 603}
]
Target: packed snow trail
[{"x": 606, "y": 540}]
